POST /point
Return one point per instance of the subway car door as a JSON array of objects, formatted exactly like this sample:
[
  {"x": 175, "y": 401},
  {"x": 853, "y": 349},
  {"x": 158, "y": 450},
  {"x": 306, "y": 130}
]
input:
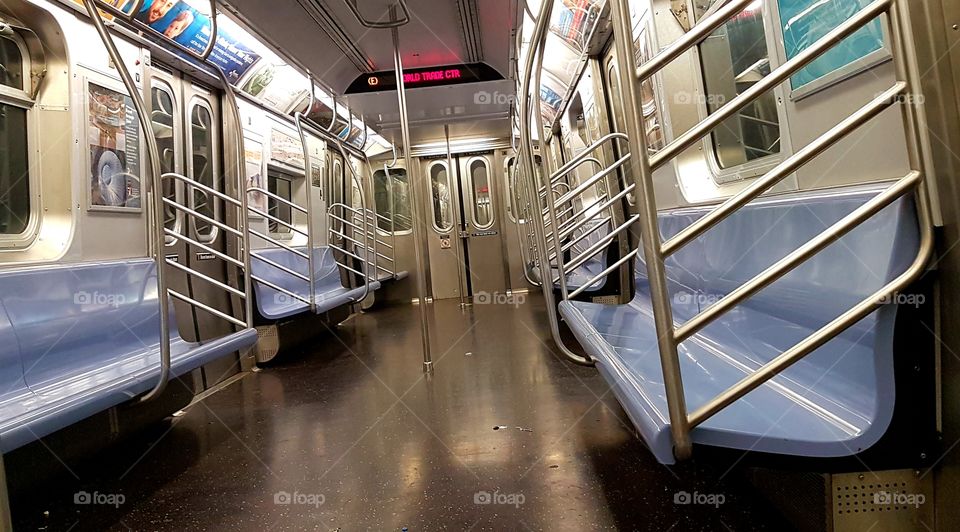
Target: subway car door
[
  {"x": 166, "y": 118},
  {"x": 447, "y": 266},
  {"x": 204, "y": 145},
  {"x": 483, "y": 248}
]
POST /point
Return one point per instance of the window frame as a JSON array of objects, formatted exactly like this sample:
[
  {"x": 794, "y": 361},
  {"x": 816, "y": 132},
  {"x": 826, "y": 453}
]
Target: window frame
[
  {"x": 757, "y": 167},
  {"x": 163, "y": 85},
  {"x": 473, "y": 189},
  {"x": 203, "y": 101},
  {"x": 406, "y": 174},
  {"x": 21, "y": 99},
  {"x": 280, "y": 232},
  {"x": 433, "y": 213}
]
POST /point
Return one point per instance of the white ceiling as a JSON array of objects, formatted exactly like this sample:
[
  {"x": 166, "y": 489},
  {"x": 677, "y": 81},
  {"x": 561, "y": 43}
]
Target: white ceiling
[{"x": 434, "y": 37}]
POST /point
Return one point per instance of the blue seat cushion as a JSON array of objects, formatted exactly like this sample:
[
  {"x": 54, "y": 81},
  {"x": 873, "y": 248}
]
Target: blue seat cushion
[
  {"x": 837, "y": 401},
  {"x": 85, "y": 338},
  {"x": 330, "y": 292}
]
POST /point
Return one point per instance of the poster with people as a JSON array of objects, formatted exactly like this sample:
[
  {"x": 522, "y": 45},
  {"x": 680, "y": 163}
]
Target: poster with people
[
  {"x": 113, "y": 138},
  {"x": 191, "y": 28}
]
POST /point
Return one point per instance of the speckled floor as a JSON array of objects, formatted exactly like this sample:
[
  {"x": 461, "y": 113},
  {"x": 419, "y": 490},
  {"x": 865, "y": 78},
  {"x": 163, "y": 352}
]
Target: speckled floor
[{"x": 350, "y": 435}]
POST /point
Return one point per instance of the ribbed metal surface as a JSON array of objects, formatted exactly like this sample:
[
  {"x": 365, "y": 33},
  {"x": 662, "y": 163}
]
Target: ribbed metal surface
[
  {"x": 334, "y": 29},
  {"x": 470, "y": 22}
]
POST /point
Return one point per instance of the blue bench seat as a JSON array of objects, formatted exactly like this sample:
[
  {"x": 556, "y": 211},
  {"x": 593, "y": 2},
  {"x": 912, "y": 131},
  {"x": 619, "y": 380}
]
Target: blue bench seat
[
  {"x": 837, "y": 401},
  {"x": 330, "y": 292},
  {"x": 78, "y": 339}
]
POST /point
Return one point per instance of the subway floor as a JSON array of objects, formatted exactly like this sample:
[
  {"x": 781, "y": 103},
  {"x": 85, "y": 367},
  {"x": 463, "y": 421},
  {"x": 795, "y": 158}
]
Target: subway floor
[{"x": 349, "y": 434}]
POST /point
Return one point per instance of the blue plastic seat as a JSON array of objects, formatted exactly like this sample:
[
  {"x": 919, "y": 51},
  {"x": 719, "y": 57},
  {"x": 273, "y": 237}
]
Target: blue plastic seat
[
  {"x": 837, "y": 401},
  {"x": 595, "y": 232},
  {"x": 78, "y": 339},
  {"x": 330, "y": 292}
]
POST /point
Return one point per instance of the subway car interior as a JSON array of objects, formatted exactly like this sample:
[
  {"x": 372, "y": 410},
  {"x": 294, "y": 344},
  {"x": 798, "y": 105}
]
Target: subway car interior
[{"x": 658, "y": 265}]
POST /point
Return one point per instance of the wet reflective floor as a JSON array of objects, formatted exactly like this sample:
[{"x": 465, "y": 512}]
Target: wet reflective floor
[{"x": 351, "y": 435}]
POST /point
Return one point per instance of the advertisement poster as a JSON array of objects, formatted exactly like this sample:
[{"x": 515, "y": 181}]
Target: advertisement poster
[
  {"x": 254, "y": 161},
  {"x": 113, "y": 138},
  {"x": 277, "y": 85},
  {"x": 286, "y": 149},
  {"x": 178, "y": 21}
]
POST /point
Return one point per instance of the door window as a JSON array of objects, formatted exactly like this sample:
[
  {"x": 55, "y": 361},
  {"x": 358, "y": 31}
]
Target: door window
[
  {"x": 441, "y": 194},
  {"x": 482, "y": 195}
]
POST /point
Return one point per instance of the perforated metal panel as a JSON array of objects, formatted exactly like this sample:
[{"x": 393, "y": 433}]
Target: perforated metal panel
[
  {"x": 606, "y": 300},
  {"x": 268, "y": 343},
  {"x": 899, "y": 501}
]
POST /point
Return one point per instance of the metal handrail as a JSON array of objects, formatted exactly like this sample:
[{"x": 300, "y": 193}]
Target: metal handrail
[
  {"x": 530, "y": 101},
  {"x": 558, "y": 177},
  {"x": 276, "y": 197},
  {"x": 669, "y": 336},
  {"x": 401, "y": 21}
]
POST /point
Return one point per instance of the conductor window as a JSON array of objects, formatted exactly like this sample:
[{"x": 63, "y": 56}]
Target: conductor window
[
  {"x": 14, "y": 163},
  {"x": 283, "y": 187},
  {"x": 734, "y": 58},
  {"x": 392, "y": 194}
]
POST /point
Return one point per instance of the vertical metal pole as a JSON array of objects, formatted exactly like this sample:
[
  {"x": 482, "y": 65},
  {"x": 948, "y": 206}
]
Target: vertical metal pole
[
  {"x": 419, "y": 248},
  {"x": 650, "y": 231},
  {"x": 311, "y": 241},
  {"x": 539, "y": 34},
  {"x": 459, "y": 241},
  {"x": 154, "y": 219}
]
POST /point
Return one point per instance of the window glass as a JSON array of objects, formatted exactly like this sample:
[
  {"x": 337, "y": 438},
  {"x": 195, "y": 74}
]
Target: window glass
[
  {"x": 284, "y": 188},
  {"x": 14, "y": 177},
  {"x": 734, "y": 58},
  {"x": 512, "y": 178},
  {"x": 203, "y": 166},
  {"x": 440, "y": 191},
  {"x": 482, "y": 204},
  {"x": 161, "y": 118},
  {"x": 11, "y": 64},
  {"x": 396, "y": 187}
]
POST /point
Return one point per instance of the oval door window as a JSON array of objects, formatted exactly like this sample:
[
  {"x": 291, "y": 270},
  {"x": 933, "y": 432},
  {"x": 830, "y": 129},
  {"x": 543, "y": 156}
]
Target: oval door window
[
  {"x": 482, "y": 197},
  {"x": 440, "y": 191}
]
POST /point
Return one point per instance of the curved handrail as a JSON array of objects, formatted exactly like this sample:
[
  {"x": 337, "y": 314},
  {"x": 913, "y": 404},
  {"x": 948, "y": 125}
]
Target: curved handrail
[
  {"x": 159, "y": 239},
  {"x": 536, "y": 48}
]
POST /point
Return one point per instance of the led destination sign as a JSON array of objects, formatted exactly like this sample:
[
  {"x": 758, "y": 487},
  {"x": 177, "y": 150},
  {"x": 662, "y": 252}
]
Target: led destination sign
[{"x": 425, "y": 77}]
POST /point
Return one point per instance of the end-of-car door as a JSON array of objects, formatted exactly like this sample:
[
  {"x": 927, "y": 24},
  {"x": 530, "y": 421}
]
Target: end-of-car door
[
  {"x": 166, "y": 119},
  {"x": 446, "y": 249},
  {"x": 484, "y": 249}
]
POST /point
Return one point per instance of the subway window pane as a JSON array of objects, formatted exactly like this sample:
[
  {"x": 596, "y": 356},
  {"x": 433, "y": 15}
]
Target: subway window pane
[
  {"x": 278, "y": 209},
  {"x": 161, "y": 118},
  {"x": 440, "y": 186},
  {"x": 482, "y": 205},
  {"x": 203, "y": 161},
  {"x": 734, "y": 58},
  {"x": 396, "y": 186},
  {"x": 14, "y": 176},
  {"x": 11, "y": 64}
]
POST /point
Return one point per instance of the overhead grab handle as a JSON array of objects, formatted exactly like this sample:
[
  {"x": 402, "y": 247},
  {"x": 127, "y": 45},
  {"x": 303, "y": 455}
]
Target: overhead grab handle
[{"x": 403, "y": 20}]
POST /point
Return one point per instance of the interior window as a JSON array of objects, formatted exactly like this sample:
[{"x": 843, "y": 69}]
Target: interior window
[
  {"x": 482, "y": 205},
  {"x": 161, "y": 118},
  {"x": 201, "y": 123},
  {"x": 440, "y": 191},
  {"x": 14, "y": 163},
  {"x": 395, "y": 187},
  {"x": 734, "y": 58},
  {"x": 14, "y": 175},
  {"x": 511, "y": 184},
  {"x": 283, "y": 187},
  {"x": 11, "y": 64}
]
